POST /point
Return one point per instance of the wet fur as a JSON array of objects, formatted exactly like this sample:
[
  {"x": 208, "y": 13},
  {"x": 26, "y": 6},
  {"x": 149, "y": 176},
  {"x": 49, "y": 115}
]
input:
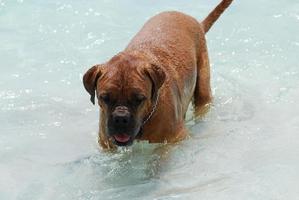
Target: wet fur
[{"x": 175, "y": 43}]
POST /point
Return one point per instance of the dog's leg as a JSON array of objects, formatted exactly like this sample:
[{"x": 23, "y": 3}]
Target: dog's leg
[
  {"x": 181, "y": 133},
  {"x": 202, "y": 94},
  {"x": 103, "y": 140},
  {"x": 105, "y": 143}
]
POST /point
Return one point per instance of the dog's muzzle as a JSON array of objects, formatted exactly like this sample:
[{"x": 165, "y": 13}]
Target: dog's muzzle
[
  {"x": 122, "y": 126},
  {"x": 121, "y": 117}
]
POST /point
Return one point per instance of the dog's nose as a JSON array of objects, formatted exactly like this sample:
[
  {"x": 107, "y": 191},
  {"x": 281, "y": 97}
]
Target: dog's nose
[
  {"x": 121, "y": 116},
  {"x": 121, "y": 120}
]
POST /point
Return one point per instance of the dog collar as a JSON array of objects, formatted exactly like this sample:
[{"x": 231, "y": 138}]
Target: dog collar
[
  {"x": 154, "y": 107},
  {"x": 152, "y": 111}
]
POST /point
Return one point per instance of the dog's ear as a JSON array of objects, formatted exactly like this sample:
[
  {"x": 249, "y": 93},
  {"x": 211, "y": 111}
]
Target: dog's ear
[
  {"x": 90, "y": 80},
  {"x": 157, "y": 76}
]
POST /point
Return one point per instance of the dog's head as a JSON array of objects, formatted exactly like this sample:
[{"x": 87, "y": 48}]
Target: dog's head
[{"x": 126, "y": 88}]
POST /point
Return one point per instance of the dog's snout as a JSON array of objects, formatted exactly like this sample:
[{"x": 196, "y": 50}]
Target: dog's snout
[
  {"x": 121, "y": 116},
  {"x": 121, "y": 120}
]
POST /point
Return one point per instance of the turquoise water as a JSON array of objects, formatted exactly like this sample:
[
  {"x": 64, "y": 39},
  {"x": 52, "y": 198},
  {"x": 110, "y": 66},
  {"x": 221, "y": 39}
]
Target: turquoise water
[{"x": 246, "y": 147}]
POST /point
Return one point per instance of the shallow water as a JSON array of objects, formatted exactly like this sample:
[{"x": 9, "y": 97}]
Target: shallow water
[{"x": 246, "y": 147}]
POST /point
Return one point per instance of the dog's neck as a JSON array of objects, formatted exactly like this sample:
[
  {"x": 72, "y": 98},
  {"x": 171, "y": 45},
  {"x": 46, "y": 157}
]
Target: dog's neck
[{"x": 154, "y": 108}]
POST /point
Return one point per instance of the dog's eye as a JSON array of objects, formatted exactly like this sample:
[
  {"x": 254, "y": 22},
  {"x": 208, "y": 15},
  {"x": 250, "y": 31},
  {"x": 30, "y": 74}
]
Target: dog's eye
[
  {"x": 105, "y": 98},
  {"x": 138, "y": 99}
]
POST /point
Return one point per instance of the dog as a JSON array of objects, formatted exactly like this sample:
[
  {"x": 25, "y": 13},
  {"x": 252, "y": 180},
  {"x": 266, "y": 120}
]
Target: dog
[{"x": 145, "y": 90}]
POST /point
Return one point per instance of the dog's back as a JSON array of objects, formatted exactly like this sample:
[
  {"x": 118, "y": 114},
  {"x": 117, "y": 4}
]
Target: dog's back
[{"x": 177, "y": 43}]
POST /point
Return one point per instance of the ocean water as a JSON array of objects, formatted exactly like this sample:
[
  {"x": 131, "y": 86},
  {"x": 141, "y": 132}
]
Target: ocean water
[{"x": 245, "y": 147}]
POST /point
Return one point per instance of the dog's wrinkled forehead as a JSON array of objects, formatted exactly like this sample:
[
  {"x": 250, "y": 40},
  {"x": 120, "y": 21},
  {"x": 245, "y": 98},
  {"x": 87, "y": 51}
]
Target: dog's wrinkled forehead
[{"x": 123, "y": 75}]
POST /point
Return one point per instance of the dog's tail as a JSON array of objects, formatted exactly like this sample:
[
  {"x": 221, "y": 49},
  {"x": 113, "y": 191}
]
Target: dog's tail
[{"x": 215, "y": 14}]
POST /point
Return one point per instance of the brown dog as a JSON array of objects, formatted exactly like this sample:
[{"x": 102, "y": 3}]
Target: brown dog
[{"x": 144, "y": 91}]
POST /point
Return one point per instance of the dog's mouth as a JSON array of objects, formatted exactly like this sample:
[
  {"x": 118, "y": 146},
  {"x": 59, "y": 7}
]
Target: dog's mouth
[{"x": 122, "y": 139}]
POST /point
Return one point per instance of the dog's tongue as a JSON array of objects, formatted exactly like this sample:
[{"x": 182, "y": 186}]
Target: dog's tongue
[{"x": 121, "y": 137}]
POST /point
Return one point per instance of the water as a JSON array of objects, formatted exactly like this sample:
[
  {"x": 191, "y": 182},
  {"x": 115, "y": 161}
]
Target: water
[{"x": 246, "y": 147}]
